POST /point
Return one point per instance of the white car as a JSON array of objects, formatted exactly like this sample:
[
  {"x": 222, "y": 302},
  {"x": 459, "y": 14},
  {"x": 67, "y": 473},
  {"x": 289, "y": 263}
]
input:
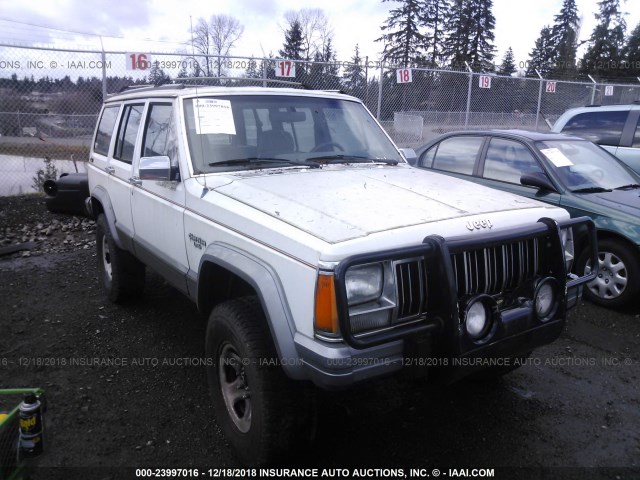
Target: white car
[{"x": 318, "y": 255}]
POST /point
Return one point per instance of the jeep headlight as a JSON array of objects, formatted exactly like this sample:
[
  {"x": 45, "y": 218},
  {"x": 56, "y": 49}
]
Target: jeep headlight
[
  {"x": 364, "y": 283},
  {"x": 371, "y": 296},
  {"x": 566, "y": 236}
]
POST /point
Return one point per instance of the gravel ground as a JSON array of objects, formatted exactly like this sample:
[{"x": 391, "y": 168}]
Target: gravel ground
[{"x": 572, "y": 412}]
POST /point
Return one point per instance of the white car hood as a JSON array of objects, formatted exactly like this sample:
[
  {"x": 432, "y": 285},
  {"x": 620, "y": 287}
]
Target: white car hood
[{"x": 339, "y": 203}]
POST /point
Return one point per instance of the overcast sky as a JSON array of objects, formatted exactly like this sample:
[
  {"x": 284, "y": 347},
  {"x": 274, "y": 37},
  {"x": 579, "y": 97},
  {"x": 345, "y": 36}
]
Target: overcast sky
[{"x": 518, "y": 22}]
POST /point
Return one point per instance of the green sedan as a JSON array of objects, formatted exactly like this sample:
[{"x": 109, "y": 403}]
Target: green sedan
[{"x": 562, "y": 170}]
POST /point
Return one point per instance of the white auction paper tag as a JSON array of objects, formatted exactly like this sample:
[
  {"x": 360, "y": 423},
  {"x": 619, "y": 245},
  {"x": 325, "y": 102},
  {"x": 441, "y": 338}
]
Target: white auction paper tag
[
  {"x": 213, "y": 116},
  {"x": 556, "y": 157}
]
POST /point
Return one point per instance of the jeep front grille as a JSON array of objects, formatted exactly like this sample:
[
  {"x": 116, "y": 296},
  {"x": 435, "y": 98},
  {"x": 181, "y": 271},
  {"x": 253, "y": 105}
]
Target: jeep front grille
[
  {"x": 411, "y": 282},
  {"x": 496, "y": 269}
]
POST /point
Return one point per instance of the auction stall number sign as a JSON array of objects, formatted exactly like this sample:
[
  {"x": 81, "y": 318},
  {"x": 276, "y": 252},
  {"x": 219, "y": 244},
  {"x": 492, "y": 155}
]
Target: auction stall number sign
[
  {"x": 551, "y": 87},
  {"x": 404, "y": 75},
  {"x": 285, "y": 68},
  {"x": 138, "y": 61},
  {"x": 484, "y": 81},
  {"x": 608, "y": 91}
]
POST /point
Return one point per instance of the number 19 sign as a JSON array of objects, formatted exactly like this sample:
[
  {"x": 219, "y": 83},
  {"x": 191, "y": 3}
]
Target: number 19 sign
[
  {"x": 484, "y": 81},
  {"x": 403, "y": 75},
  {"x": 285, "y": 68}
]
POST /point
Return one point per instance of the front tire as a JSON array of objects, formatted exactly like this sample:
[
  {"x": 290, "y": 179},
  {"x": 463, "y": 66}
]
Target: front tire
[
  {"x": 618, "y": 282},
  {"x": 262, "y": 413},
  {"x": 122, "y": 275}
]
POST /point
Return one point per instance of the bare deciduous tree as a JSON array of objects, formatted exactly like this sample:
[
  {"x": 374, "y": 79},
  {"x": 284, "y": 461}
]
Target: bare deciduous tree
[
  {"x": 216, "y": 37},
  {"x": 316, "y": 30}
]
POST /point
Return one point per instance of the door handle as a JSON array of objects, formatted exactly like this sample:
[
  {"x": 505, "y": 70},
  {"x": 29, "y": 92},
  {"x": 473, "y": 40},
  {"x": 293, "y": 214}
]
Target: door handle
[
  {"x": 110, "y": 170},
  {"x": 135, "y": 181}
]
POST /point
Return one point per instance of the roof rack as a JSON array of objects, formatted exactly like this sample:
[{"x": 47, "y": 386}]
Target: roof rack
[
  {"x": 243, "y": 79},
  {"x": 186, "y": 82}
]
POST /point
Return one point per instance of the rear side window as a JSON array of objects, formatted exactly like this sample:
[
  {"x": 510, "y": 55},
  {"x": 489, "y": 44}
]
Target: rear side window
[
  {"x": 458, "y": 154},
  {"x": 604, "y": 128},
  {"x": 105, "y": 130},
  {"x": 636, "y": 137}
]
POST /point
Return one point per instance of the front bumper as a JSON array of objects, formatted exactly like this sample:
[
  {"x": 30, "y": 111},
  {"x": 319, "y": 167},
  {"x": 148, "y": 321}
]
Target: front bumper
[{"x": 440, "y": 339}]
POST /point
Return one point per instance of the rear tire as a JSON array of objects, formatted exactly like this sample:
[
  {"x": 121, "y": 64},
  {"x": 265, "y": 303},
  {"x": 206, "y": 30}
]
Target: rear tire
[
  {"x": 263, "y": 414},
  {"x": 122, "y": 275},
  {"x": 618, "y": 282}
]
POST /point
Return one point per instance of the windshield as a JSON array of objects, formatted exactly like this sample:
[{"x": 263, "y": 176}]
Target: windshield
[
  {"x": 238, "y": 132},
  {"x": 583, "y": 166}
]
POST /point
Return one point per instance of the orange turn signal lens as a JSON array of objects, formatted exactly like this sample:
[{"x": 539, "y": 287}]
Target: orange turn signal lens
[{"x": 326, "y": 320}]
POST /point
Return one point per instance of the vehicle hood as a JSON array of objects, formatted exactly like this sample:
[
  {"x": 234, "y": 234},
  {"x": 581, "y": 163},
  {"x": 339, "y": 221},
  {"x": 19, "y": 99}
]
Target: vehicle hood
[
  {"x": 339, "y": 203},
  {"x": 625, "y": 201}
]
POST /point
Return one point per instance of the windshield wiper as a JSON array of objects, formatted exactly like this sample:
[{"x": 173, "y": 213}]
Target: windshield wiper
[
  {"x": 352, "y": 159},
  {"x": 631, "y": 186},
  {"x": 591, "y": 190},
  {"x": 259, "y": 160}
]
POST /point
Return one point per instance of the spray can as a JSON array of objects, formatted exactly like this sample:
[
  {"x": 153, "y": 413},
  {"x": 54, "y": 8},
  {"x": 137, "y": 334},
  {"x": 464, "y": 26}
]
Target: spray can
[{"x": 31, "y": 428}]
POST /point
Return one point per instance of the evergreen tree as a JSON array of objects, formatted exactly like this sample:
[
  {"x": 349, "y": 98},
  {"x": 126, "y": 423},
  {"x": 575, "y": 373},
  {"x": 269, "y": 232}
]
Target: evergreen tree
[
  {"x": 631, "y": 54},
  {"x": 564, "y": 34},
  {"x": 354, "y": 77},
  {"x": 508, "y": 66},
  {"x": 292, "y": 49},
  {"x": 436, "y": 12},
  {"x": 403, "y": 40},
  {"x": 157, "y": 75},
  {"x": 323, "y": 73},
  {"x": 252, "y": 70},
  {"x": 458, "y": 26},
  {"x": 183, "y": 71},
  {"x": 543, "y": 54},
  {"x": 603, "y": 55},
  {"x": 470, "y": 24},
  {"x": 331, "y": 69},
  {"x": 293, "y": 43}
]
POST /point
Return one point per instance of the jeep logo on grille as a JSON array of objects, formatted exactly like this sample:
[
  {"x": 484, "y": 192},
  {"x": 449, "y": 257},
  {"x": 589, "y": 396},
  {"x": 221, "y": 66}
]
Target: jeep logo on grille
[{"x": 478, "y": 224}]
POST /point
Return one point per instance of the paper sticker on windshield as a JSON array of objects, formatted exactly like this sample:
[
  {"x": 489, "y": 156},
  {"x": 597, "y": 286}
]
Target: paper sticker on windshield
[
  {"x": 213, "y": 116},
  {"x": 558, "y": 158}
]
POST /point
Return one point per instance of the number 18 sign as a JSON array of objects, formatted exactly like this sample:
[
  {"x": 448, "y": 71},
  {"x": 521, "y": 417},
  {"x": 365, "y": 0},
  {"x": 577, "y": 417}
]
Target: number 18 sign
[{"x": 403, "y": 75}]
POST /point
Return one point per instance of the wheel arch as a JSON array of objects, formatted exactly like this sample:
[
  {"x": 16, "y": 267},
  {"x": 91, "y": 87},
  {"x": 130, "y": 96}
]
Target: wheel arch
[
  {"x": 609, "y": 235},
  {"x": 226, "y": 272},
  {"x": 101, "y": 203}
]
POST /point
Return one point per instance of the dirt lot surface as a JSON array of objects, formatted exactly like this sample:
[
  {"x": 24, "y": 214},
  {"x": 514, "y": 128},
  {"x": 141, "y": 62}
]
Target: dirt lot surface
[{"x": 572, "y": 412}]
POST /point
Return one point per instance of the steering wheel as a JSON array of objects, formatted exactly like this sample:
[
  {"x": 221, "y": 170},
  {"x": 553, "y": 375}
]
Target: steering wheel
[{"x": 326, "y": 146}]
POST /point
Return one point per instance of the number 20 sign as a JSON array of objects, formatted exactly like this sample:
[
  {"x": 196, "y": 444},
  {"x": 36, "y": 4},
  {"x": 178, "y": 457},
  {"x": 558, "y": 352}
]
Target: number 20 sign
[
  {"x": 403, "y": 75},
  {"x": 285, "y": 68}
]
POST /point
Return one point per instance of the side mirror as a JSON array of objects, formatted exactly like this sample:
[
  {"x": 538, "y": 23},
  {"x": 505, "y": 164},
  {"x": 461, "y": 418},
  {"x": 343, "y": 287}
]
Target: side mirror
[
  {"x": 157, "y": 168},
  {"x": 538, "y": 180},
  {"x": 409, "y": 155}
]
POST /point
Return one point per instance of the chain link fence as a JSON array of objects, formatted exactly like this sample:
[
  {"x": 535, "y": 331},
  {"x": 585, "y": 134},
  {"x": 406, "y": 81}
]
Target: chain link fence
[{"x": 50, "y": 98}]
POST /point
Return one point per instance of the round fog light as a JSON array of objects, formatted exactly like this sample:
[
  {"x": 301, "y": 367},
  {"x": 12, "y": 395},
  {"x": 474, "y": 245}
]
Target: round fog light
[
  {"x": 545, "y": 299},
  {"x": 477, "y": 319}
]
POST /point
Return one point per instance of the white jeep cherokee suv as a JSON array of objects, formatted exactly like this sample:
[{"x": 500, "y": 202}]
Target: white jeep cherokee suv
[{"x": 318, "y": 255}]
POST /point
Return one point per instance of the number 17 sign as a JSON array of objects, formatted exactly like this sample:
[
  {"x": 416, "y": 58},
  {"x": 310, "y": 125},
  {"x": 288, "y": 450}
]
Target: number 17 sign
[{"x": 285, "y": 68}]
